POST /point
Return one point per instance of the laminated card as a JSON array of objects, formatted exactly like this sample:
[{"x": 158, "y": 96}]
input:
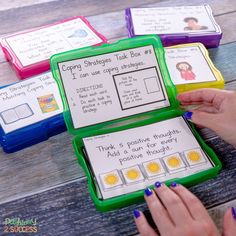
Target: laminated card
[
  {"x": 29, "y": 51},
  {"x": 30, "y": 112},
  {"x": 175, "y": 25},
  {"x": 190, "y": 67},
  {"x": 133, "y": 159}
]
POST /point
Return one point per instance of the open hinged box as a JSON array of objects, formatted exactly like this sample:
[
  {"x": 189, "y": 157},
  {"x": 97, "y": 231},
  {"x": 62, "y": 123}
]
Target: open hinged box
[{"x": 121, "y": 105}]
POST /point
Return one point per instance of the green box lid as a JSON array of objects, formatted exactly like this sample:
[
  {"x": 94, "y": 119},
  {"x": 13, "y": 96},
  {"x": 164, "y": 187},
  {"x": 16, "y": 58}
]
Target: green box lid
[{"x": 80, "y": 73}]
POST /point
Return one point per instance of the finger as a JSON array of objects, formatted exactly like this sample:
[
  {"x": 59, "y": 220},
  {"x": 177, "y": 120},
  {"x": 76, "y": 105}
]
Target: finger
[
  {"x": 207, "y": 108},
  {"x": 201, "y": 107},
  {"x": 158, "y": 212},
  {"x": 192, "y": 203},
  {"x": 174, "y": 205},
  {"x": 213, "y": 96},
  {"x": 229, "y": 226},
  {"x": 189, "y": 103},
  {"x": 142, "y": 225},
  {"x": 205, "y": 119}
]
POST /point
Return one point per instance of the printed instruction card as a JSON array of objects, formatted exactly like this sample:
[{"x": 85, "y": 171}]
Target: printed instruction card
[
  {"x": 113, "y": 85},
  {"x": 39, "y": 45},
  {"x": 130, "y": 160},
  {"x": 28, "y": 102},
  {"x": 172, "y": 20},
  {"x": 188, "y": 65}
]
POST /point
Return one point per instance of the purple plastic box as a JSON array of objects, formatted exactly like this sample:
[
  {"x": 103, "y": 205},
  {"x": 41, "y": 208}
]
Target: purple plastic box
[{"x": 175, "y": 25}]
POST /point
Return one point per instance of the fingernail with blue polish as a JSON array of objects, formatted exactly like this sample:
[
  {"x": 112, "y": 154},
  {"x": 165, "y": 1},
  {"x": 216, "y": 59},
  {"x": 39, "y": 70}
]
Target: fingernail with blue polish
[
  {"x": 233, "y": 212},
  {"x": 188, "y": 115},
  {"x": 136, "y": 213},
  {"x": 174, "y": 184},
  {"x": 158, "y": 184},
  {"x": 148, "y": 192}
]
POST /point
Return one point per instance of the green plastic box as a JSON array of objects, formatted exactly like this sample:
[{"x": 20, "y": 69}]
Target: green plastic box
[{"x": 124, "y": 123}]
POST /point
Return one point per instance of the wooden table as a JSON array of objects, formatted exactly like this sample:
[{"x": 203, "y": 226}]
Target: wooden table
[{"x": 45, "y": 182}]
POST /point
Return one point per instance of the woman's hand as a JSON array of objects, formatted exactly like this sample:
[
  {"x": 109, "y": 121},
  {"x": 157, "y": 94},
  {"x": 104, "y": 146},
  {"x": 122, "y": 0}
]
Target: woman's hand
[
  {"x": 176, "y": 212},
  {"x": 216, "y": 111}
]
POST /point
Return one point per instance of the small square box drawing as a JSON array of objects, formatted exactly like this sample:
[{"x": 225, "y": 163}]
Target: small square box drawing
[
  {"x": 151, "y": 85},
  {"x": 175, "y": 25}
]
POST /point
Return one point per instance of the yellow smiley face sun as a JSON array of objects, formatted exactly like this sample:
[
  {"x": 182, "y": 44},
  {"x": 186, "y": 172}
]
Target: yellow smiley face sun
[
  {"x": 132, "y": 174},
  {"x": 111, "y": 179},
  {"x": 194, "y": 156},
  {"x": 173, "y": 161},
  {"x": 153, "y": 167}
]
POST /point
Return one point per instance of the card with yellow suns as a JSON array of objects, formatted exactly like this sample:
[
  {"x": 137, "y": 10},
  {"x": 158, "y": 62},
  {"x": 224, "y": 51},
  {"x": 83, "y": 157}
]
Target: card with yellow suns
[
  {"x": 194, "y": 157},
  {"x": 174, "y": 162},
  {"x": 110, "y": 180},
  {"x": 132, "y": 174},
  {"x": 154, "y": 168}
]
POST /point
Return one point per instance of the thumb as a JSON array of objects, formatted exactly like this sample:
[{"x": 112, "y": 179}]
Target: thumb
[{"x": 205, "y": 119}]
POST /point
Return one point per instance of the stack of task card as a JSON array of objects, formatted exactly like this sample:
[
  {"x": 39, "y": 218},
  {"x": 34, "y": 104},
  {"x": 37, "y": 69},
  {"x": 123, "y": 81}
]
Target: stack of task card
[{"x": 31, "y": 110}]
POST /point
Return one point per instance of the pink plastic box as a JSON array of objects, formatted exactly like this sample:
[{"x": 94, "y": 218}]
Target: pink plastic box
[{"x": 29, "y": 51}]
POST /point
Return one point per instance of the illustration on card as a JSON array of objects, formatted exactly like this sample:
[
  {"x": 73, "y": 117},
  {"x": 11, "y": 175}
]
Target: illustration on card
[
  {"x": 192, "y": 24},
  {"x": 132, "y": 174},
  {"x": 194, "y": 157},
  {"x": 185, "y": 70},
  {"x": 111, "y": 180},
  {"x": 78, "y": 33},
  {"x": 47, "y": 103},
  {"x": 17, "y": 113},
  {"x": 153, "y": 168}
]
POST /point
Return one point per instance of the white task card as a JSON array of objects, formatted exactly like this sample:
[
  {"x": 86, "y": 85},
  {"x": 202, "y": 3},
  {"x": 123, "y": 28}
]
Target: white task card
[
  {"x": 188, "y": 65},
  {"x": 113, "y": 85},
  {"x": 172, "y": 20},
  {"x": 28, "y": 102},
  {"x": 130, "y": 160},
  {"x": 38, "y": 45}
]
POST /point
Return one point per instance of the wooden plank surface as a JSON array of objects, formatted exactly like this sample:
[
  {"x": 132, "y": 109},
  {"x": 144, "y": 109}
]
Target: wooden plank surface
[
  {"x": 45, "y": 181},
  {"x": 59, "y": 10},
  {"x": 68, "y": 209}
]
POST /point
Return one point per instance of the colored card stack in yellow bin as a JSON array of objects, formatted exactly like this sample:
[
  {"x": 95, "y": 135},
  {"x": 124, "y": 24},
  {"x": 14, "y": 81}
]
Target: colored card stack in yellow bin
[{"x": 190, "y": 67}]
